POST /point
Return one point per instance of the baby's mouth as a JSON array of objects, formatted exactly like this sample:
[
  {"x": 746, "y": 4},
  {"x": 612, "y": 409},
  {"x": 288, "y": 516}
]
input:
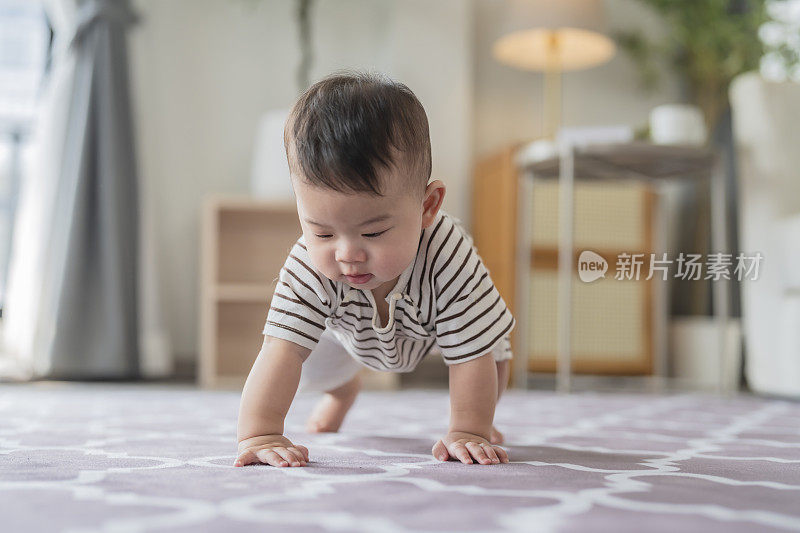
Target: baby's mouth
[{"x": 360, "y": 279}]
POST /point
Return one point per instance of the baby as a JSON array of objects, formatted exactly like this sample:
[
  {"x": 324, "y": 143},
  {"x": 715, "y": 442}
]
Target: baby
[{"x": 379, "y": 276}]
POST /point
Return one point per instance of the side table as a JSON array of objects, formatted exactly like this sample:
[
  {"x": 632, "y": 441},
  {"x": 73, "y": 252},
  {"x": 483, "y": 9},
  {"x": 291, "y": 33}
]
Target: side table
[{"x": 653, "y": 164}]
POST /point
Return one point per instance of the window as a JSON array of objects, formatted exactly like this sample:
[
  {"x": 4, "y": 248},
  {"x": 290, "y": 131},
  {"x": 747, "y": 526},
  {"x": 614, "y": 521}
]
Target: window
[{"x": 24, "y": 45}]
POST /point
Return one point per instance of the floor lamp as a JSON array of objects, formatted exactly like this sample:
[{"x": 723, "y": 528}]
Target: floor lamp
[{"x": 553, "y": 36}]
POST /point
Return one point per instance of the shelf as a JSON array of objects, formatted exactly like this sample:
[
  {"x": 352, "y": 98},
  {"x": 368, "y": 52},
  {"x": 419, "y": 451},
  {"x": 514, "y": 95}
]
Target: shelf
[
  {"x": 547, "y": 258},
  {"x": 253, "y": 244},
  {"x": 238, "y": 337},
  {"x": 611, "y": 324},
  {"x": 245, "y": 242},
  {"x": 249, "y": 203},
  {"x": 516, "y": 226},
  {"x": 244, "y": 292}
]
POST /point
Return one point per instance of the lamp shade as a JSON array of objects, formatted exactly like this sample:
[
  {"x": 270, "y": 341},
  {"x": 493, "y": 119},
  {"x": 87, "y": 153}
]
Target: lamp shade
[{"x": 532, "y": 26}]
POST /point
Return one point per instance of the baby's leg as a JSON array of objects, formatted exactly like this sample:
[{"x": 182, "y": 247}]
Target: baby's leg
[
  {"x": 503, "y": 369},
  {"x": 330, "y": 369},
  {"x": 329, "y": 413}
]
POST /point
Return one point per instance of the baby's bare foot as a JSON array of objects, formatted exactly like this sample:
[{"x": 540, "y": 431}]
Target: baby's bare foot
[
  {"x": 329, "y": 413},
  {"x": 495, "y": 437}
]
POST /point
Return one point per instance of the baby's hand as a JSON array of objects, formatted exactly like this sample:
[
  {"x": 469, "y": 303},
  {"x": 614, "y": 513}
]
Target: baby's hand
[
  {"x": 466, "y": 446},
  {"x": 275, "y": 450}
]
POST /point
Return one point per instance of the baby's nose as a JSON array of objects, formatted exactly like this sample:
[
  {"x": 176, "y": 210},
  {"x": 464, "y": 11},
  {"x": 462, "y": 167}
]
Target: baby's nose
[{"x": 350, "y": 254}]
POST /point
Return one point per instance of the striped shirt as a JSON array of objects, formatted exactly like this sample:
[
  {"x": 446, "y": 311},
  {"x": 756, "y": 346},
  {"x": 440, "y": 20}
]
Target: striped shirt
[{"x": 445, "y": 297}]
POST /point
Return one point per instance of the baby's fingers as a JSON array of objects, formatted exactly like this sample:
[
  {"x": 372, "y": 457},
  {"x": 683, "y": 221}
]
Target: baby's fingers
[
  {"x": 293, "y": 458},
  {"x": 302, "y": 449},
  {"x": 245, "y": 458},
  {"x": 269, "y": 457},
  {"x": 460, "y": 452},
  {"x": 490, "y": 453},
  {"x": 440, "y": 451},
  {"x": 501, "y": 454},
  {"x": 478, "y": 453}
]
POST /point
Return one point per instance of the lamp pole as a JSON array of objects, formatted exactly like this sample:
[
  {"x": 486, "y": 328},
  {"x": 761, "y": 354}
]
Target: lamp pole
[{"x": 552, "y": 87}]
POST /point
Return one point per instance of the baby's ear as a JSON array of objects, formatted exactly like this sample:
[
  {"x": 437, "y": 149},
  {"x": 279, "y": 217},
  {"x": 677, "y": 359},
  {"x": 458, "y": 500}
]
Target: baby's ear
[{"x": 432, "y": 202}]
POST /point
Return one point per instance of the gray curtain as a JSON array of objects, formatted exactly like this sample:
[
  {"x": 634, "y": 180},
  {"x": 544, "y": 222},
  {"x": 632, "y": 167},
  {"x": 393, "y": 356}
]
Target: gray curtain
[{"x": 95, "y": 329}]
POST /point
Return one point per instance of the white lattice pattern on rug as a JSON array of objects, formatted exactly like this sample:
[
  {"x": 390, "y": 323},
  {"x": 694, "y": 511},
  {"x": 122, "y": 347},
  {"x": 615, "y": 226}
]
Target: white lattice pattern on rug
[{"x": 142, "y": 458}]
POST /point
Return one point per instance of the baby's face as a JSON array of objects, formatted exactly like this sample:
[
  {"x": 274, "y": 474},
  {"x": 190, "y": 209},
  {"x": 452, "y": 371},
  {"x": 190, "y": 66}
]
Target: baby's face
[{"x": 363, "y": 240}]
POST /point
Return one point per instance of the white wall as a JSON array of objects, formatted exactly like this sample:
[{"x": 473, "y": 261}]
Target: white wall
[{"x": 203, "y": 72}]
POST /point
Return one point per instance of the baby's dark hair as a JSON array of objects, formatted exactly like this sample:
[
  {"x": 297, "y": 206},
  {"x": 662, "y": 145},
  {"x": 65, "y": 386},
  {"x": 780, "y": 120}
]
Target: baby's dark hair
[{"x": 348, "y": 126}]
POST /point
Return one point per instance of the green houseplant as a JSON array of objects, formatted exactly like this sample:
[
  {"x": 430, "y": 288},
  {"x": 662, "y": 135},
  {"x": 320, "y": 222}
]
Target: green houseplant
[{"x": 710, "y": 42}]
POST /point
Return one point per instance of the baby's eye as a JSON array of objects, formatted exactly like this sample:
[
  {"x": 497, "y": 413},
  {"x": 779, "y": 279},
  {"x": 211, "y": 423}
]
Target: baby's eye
[{"x": 369, "y": 235}]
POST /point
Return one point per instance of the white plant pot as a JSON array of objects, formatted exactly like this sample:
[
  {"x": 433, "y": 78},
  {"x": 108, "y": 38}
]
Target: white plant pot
[
  {"x": 695, "y": 353},
  {"x": 677, "y": 124}
]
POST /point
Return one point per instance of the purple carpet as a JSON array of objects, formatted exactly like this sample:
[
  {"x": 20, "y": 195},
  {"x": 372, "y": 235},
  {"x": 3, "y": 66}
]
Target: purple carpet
[{"x": 147, "y": 458}]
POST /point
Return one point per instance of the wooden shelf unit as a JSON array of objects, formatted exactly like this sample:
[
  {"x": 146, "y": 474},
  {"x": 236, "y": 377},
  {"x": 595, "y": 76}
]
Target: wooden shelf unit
[{"x": 244, "y": 244}]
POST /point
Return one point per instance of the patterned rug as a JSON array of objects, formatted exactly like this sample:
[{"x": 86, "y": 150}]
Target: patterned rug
[{"x": 148, "y": 458}]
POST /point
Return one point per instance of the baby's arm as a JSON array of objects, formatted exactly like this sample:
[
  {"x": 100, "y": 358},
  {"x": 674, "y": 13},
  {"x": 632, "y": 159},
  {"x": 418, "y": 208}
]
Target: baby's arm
[
  {"x": 473, "y": 396},
  {"x": 266, "y": 397}
]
